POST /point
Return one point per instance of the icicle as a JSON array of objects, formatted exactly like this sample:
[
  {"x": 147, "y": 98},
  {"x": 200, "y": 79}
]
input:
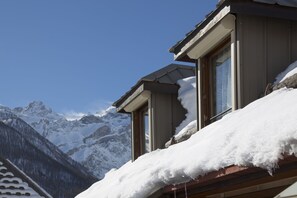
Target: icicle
[{"x": 186, "y": 191}]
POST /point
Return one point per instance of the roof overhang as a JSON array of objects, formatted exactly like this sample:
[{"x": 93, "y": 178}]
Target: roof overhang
[
  {"x": 140, "y": 95},
  {"x": 134, "y": 101},
  {"x": 215, "y": 31},
  {"x": 238, "y": 180},
  {"x": 219, "y": 23}
]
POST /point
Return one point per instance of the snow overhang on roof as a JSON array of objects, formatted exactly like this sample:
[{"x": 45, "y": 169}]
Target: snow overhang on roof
[
  {"x": 162, "y": 81},
  {"x": 205, "y": 34}
]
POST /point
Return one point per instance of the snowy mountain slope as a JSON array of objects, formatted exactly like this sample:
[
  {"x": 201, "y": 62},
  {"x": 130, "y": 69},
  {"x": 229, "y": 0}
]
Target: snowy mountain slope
[
  {"x": 37, "y": 140},
  {"x": 59, "y": 176},
  {"x": 99, "y": 142}
]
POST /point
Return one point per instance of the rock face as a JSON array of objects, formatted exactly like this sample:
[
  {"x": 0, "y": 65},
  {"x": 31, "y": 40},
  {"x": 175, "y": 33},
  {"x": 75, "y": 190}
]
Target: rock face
[
  {"x": 290, "y": 82},
  {"x": 58, "y": 174},
  {"x": 99, "y": 142}
]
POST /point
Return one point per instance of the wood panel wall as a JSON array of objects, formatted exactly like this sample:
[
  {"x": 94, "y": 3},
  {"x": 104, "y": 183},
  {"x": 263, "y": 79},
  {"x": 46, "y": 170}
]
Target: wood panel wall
[{"x": 266, "y": 47}]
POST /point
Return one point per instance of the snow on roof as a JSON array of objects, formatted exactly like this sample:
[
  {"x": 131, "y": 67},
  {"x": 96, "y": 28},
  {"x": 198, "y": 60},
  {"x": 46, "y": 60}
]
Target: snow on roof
[
  {"x": 13, "y": 182},
  {"x": 187, "y": 96},
  {"x": 257, "y": 135},
  {"x": 290, "y": 71}
]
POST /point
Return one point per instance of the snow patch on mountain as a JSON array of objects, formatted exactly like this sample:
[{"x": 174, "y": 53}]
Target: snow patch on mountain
[{"x": 72, "y": 115}]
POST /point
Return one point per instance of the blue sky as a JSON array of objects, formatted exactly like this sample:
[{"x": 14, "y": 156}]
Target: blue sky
[{"x": 80, "y": 55}]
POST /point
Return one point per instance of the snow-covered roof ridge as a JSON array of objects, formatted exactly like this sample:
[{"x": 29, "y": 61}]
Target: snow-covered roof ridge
[{"x": 257, "y": 135}]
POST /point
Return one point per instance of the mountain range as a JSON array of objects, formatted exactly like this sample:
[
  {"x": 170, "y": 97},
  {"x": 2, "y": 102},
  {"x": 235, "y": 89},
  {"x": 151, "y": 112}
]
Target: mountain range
[
  {"x": 45, "y": 163},
  {"x": 99, "y": 141}
]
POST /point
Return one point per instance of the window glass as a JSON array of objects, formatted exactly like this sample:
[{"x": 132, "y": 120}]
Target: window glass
[
  {"x": 146, "y": 132},
  {"x": 221, "y": 95}
]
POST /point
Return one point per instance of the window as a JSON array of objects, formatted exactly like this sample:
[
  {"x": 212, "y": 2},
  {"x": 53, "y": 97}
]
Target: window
[
  {"x": 221, "y": 83},
  {"x": 216, "y": 92},
  {"x": 145, "y": 131},
  {"x": 141, "y": 131}
]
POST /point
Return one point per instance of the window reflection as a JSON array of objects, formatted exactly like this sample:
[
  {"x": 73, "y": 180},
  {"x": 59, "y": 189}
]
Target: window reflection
[
  {"x": 146, "y": 132},
  {"x": 221, "y": 94}
]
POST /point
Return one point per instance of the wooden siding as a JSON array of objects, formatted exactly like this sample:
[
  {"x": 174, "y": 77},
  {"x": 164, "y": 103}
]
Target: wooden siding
[
  {"x": 167, "y": 114},
  {"x": 294, "y": 41},
  {"x": 135, "y": 135},
  {"x": 266, "y": 47}
]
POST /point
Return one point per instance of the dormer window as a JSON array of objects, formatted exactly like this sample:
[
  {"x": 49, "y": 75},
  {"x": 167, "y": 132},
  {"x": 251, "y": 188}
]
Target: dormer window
[
  {"x": 220, "y": 65},
  {"x": 145, "y": 130},
  {"x": 154, "y": 107},
  {"x": 216, "y": 83}
]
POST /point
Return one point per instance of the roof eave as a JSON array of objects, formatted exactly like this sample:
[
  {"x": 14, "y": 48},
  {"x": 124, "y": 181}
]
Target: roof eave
[
  {"x": 143, "y": 89},
  {"x": 234, "y": 177},
  {"x": 236, "y": 7},
  {"x": 179, "y": 45}
]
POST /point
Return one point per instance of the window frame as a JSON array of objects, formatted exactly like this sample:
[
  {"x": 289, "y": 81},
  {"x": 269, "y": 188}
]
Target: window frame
[
  {"x": 142, "y": 111},
  {"x": 207, "y": 84},
  {"x": 139, "y": 130}
]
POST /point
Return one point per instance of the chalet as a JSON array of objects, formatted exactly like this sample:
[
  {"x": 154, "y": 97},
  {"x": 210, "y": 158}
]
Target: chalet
[
  {"x": 15, "y": 183},
  {"x": 154, "y": 108},
  {"x": 239, "y": 49}
]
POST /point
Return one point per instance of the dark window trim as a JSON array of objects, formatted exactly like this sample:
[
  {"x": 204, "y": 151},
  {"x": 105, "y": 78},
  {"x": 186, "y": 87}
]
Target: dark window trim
[{"x": 138, "y": 128}]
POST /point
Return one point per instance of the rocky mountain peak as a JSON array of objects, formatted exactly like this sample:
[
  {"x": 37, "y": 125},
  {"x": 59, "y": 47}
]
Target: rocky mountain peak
[
  {"x": 36, "y": 106},
  {"x": 89, "y": 119},
  {"x": 37, "y": 109}
]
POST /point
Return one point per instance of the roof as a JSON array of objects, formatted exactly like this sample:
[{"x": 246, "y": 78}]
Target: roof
[
  {"x": 258, "y": 135},
  {"x": 168, "y": 75},
  {"x": 233, "y": 178},
  {"x": 289, "y": 3},
  {"x": 15, "y": 183},
  {"x": 255, "y": 7}
]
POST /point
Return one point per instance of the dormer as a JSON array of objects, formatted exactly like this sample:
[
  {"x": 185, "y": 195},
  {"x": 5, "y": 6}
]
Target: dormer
[
  {"x": 239, "y": 49},
  {"x": 154, "y": 107}
]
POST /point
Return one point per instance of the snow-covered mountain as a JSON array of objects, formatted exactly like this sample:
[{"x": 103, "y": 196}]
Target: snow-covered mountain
[
  {"x": 99, "y": 142},
  {"x": 57, "y": 173}
]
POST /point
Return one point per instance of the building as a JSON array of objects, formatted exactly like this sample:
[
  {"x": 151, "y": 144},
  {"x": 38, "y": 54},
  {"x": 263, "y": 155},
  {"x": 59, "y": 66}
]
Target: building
[
  {"x": 154, "y": 108},
  {"x": 15, "y": 183},
  {"x": 238, "y": 50}
]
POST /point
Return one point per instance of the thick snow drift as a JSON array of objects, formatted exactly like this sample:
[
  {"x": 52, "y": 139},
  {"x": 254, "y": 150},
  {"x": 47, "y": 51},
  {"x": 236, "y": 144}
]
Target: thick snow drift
[
  {"x": 187, "y": 96},
  {"x": 258, "y": 135}
]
